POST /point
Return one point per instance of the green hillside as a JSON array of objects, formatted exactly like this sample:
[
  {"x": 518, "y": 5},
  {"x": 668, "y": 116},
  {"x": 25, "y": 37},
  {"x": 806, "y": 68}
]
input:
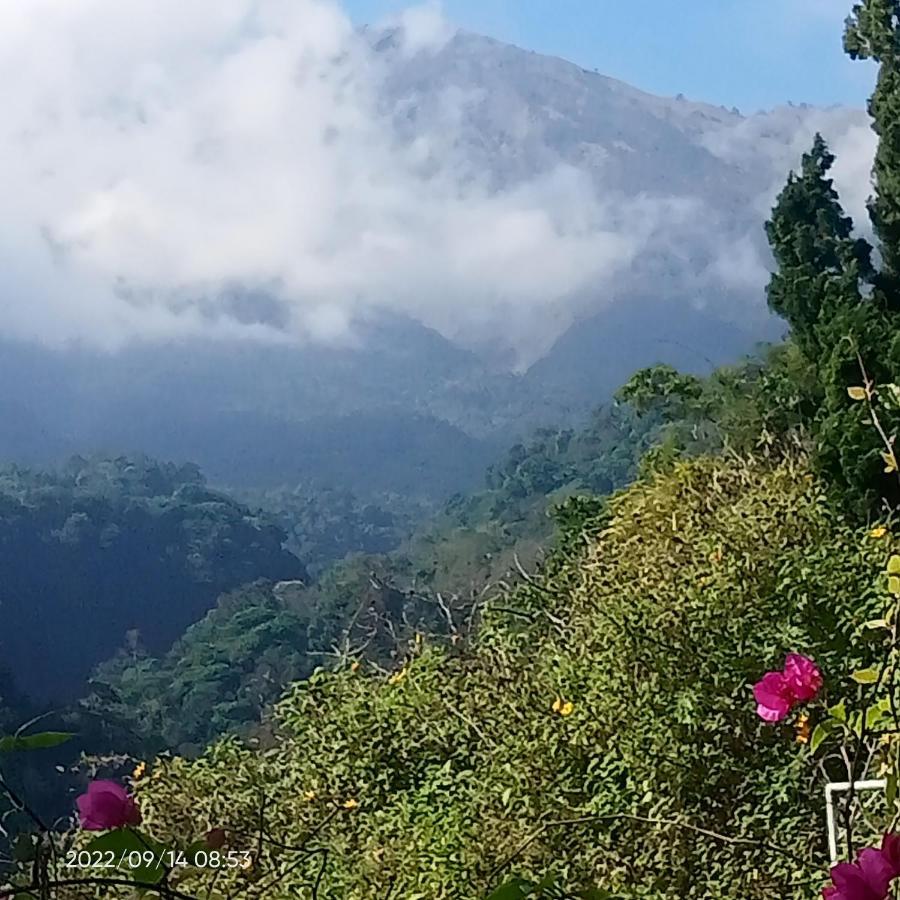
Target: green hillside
[{"x": 653, "y": 627}]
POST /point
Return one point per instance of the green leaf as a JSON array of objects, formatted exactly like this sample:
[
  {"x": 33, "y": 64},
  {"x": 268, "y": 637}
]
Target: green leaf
[
  {"x": 856, "y": 393},
  {"x": 24, "y": 848},
  {"x": 893, "y": 566},
  {"x": 839, "y": 712},
  {"x": 820, "y": 732},
  {"x": 876, "y": 624},
  {"x": 193, "y": 849},
  {"x": 865, "y": 676},
  {"x": 121, "y": 840},
  {"x": 42, "y": 741},
  {"x": 890, "y": 789},
  {"x": 874, "y": 717}
]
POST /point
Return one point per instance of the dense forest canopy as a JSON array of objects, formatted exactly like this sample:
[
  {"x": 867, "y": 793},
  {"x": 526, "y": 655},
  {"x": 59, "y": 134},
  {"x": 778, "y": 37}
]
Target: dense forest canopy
[
  {"x": 229, "y": 667},
  {"x": 105, "y": 547}
]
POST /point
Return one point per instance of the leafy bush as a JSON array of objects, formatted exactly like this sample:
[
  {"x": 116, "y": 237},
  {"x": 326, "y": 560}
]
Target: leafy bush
[{"x": 602, "y": 727}]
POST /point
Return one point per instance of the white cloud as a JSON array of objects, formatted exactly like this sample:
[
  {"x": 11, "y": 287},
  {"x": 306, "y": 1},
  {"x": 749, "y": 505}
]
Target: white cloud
[
  {"x": 778, "y": 139},
  {"x": 153, "y": 152},
  {"x": 156, "y": 154},
  {"x": 423, "y": 27}
]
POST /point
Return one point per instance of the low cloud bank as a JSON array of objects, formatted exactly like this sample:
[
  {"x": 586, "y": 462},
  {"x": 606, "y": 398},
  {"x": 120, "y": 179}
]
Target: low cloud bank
[{"x": 226, "y": 168}]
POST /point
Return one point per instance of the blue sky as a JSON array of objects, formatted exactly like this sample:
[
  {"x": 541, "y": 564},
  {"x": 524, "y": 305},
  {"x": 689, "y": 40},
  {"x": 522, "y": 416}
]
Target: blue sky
[{"x": 747, "y": 53}]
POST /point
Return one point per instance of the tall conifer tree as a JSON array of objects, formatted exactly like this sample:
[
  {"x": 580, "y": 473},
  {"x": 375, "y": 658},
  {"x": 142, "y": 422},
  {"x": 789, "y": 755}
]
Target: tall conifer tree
[
  {"x": 843, "y": 312},
  {"x": 873, "y": 33}
]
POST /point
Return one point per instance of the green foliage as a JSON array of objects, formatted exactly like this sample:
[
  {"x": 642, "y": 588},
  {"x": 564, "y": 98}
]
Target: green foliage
[
  {"x": 842, "y": 319},
  {"x": 326, "y": 525},
  {"x": 762, "y": 405},
  {"x": 856, "y": 737},
  {"x": 843, "y": 312},
  {"x": 597, "y": 459},
  {"x": 872, "y": 33},
  {"x": 603, "y": 715},
  {"x": 821, "y": 267},
  {"x": 476, "y": 540},
  {"x": 548, "y": 887},
  {"x": 663, "y": 388},
  {"x": 219, "y": 676},
  {"x": 109, "y": 545},
  {"x": 42, "y": 741}
]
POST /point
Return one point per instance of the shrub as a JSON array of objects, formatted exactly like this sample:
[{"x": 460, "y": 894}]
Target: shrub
[{"x": 602, "y": 726}]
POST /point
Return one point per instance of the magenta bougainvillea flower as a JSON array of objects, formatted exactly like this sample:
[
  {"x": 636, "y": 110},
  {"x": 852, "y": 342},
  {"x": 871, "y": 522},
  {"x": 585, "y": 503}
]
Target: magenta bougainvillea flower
[
  {"x": 774, "y": 699},
  {"x": 890, "y": 850},
  {"x": 105, "y": 806},
  {"x": 870, "y": 877},
  {"x": 803, "y": 676},
  {"x": 777, "y": 693}
]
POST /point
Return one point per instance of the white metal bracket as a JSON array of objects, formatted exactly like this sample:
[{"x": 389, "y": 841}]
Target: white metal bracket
[{"x": 839, "y": 787}]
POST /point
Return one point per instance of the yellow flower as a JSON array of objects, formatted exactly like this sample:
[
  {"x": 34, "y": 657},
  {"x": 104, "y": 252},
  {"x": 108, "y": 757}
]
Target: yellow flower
[
  {"x": 563, "y": 707},
  {"x": 351, "y": 803},
  {"x": 139, "y": 771},
  {"x": 354, "y": 666},
  {"x": 309, "y": 796},
  {"x": 802, "y": 729},
  {"x": 397, "y": 677},
  {"x": 878, "y": 532}
]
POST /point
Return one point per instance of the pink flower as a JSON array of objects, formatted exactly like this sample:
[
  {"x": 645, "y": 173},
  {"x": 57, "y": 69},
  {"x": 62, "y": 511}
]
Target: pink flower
[
  {"x": 869, "y": 878},
  {"x": 777, "y": 693},
  {"x": 890, "y": 850},
  {"x": 803, "y": 676},
  {"x": 107, "y": 805},
  {"x": 773, "y": 697}
]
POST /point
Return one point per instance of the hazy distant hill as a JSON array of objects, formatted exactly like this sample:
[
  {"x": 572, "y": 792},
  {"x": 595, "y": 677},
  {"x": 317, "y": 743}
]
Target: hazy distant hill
[{"x": 405, "y": 408}]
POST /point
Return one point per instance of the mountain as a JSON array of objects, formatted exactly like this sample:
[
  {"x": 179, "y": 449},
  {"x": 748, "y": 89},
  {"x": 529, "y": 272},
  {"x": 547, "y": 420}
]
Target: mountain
[{"x": 399, "y": 405}]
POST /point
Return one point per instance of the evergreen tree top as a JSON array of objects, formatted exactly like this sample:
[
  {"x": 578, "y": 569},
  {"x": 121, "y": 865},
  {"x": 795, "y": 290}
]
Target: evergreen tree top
[{"x": 872, "y": 30}]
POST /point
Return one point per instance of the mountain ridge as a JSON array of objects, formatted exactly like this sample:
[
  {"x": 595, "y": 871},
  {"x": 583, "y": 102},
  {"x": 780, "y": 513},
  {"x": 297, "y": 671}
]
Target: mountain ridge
[{"x": 671, "y": 182}]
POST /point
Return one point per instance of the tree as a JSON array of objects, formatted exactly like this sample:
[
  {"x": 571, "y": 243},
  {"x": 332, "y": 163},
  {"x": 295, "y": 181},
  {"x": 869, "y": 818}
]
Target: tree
[
  {"x": 820, "y": 265},
  {"x": 873, "y": 32},
  {"x": 844, "y": 312}
]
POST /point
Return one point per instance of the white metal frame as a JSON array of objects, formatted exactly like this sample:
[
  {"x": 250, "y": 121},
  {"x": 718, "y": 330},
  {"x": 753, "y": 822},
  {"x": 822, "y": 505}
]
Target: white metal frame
[{"x": 838, "y": 787}]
